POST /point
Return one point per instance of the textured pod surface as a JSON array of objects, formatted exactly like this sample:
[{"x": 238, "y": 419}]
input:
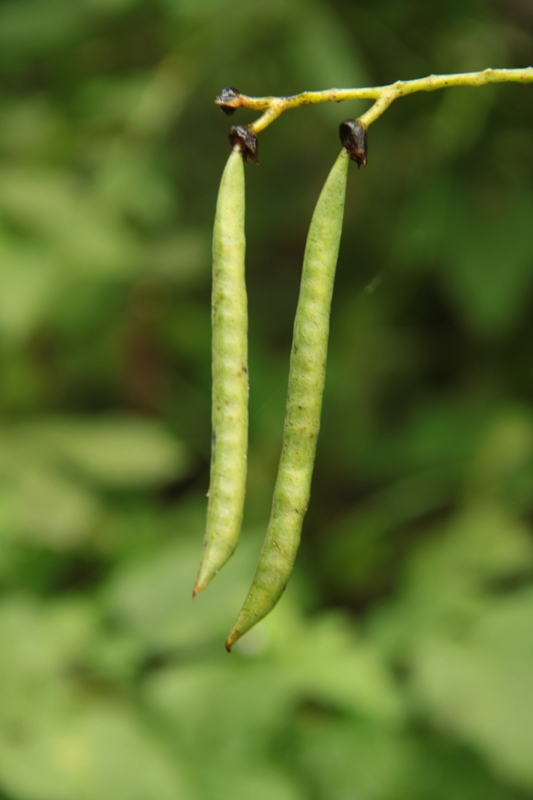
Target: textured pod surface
[
  {"x": 230, "y": 376},
  {"x": 304, "y": 403}
]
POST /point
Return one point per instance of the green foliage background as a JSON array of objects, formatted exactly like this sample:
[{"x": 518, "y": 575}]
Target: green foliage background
[{"x": 399, "y": 664}]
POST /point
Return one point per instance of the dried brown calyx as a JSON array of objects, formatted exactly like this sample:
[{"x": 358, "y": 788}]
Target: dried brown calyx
[
  {"x": 228, "y": 100},
  {"x": 242, "y": 139},
  {"x": 354, "y": 137}
]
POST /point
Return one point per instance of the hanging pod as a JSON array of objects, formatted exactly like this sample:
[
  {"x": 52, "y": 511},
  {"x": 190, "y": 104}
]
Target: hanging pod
[
  {"x": 229, "y": 365},
  {"x": 305, "y": 390}
]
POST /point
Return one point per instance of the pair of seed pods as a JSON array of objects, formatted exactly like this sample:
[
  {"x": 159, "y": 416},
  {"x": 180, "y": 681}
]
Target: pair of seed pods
[{"x": 306, "y": 377}]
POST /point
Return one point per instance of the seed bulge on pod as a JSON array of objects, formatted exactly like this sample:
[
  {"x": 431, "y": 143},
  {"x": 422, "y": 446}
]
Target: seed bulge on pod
[
  {"x": 242, "y": 139},
  {"x": 354, "y": 138}
]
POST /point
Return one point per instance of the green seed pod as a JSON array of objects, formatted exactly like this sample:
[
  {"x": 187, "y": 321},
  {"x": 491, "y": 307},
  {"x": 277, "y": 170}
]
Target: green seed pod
[
  {"x": 230, "y": 376},
  {"x": 304, "y": 403}
]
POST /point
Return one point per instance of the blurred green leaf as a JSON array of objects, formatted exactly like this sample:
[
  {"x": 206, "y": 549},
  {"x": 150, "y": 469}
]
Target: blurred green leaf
[
  {"x": 322, "y": 52},
  {"x": 181, "y": 260},
  {"x": 43, "y": 496},
  {"x": 75, "y": 227},
  {"x": 346, "y": 759},
  {"x": 28, "y": 286},
  {"x": 446, "y": 584},
  {"x": 327, "y": 662},
  {"x": 88, "y": 751},
  {"x": 113, "y": 450},
  {"x": 50, "y": 509},
  {"x": 31, "y": 25},
  {"x": 487, "y": 266},
  {"x": 98, "y": 754},
  {"x": 127, "y": 178},
  {"x": 480, "y": 685},
  {"x": 505, "y": 454},
  {"x": 422, "y": 226}
]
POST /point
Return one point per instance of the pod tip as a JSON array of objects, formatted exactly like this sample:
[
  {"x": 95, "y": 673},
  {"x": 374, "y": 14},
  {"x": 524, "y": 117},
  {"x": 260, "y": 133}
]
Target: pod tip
[
  {"x": 234, "y": 635},
  {"x": 199, "y": 586}
]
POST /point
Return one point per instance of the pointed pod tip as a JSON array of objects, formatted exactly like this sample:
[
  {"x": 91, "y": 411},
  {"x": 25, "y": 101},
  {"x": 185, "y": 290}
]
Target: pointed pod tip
[{"x": 232, "y": 638}]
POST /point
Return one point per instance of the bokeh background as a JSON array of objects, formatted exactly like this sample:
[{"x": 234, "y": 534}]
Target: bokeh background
[{"x": 399, "y": 663}]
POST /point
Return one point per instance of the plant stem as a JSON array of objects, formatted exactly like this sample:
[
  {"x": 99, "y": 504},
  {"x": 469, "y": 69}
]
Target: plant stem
[{"x": 383, "y": 96}]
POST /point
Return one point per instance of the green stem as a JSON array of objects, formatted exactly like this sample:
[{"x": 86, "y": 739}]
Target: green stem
[{"x": 273, "y": 107}]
